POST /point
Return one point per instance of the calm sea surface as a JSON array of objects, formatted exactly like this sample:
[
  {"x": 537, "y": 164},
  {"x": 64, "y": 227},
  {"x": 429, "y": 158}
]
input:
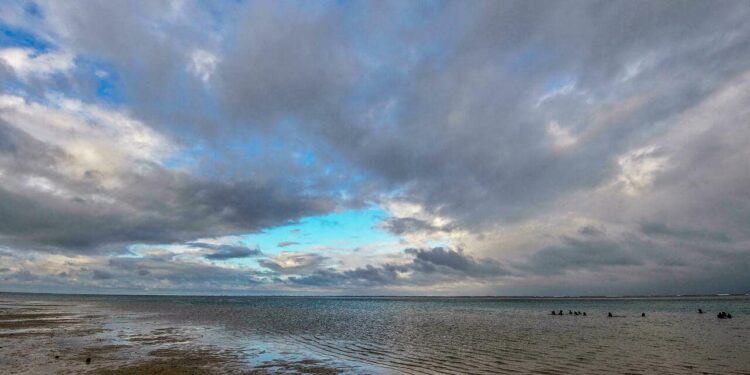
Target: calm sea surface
[{"x": 466, "y": 335}]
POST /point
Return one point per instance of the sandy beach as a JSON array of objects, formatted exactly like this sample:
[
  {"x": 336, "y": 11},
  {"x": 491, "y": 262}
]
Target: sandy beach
[
  {"x": 39, "y": 337},
  {"x": 79, "y": 334}
]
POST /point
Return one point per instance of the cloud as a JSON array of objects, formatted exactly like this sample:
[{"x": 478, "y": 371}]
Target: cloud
[
  {"x": 225, "y": 252},
  {"x": 294, "y": 263},
  {"x": 27, "y": 63},
  {"x": 407, "y": 225},
  {"x": 102, "y": 275},
  {"x": 304, "y": 68},
  {"x": 561, "y": 137},
  {"x": 560, "y": 145},
  {"x": 287, "y": 243},
  {"x": 427, "y": 267},
  {"x": 590, "y": 230},
  {"x": 440, "y": 259},
  {"x": 574, "y": 254},
  {"x": 661, "y": 229},
  {"x": 176, "y": 274},
  {"x": 203, "y": 64},
  {"x": 98, "y": 194}
]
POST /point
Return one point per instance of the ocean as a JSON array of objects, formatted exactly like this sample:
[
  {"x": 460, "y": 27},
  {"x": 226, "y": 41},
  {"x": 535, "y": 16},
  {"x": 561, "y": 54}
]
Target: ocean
[{"x": 409, "y": 335}]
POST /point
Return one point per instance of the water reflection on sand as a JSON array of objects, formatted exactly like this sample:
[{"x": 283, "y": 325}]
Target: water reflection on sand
[{"x": 371, "y": 335}]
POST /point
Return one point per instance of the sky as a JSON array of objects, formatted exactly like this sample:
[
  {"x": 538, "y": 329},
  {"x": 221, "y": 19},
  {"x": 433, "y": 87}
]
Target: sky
[{"x": 375, "y": 147}]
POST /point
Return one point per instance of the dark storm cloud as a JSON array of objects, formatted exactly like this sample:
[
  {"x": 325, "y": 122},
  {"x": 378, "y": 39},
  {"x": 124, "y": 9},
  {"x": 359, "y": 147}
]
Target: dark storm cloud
[
  {"x": 408, "y": 225},
  {"x": 590, "y": 230},
  {"x": 225, "y": 252},
  {"x": 21, "y": 276},
  {"x": 576, "y": 254},
  {"x": 428, "y": 267},
  {"x": 439, "y": 259},
  {"x": 662, "y": 230},
  {"x": 148, "y": 271},
  {"x": 102, "y": 275}
]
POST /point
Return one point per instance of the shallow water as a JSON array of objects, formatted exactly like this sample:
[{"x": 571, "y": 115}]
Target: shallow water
[{"x": 461, "y": 335}]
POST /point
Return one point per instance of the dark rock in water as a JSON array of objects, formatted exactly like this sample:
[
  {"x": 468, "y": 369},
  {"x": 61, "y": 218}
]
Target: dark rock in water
[
  {"x": 729, "y": 316},
  {"x": 722, "y": 315},
  {"x": 88, "y": 361}
]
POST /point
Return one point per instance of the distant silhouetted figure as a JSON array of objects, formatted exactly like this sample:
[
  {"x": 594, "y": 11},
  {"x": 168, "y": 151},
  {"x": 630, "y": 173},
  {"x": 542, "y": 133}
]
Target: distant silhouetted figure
[
  {"x": 721, "y": 315},
  {"x": 729, "y": 316},
  {"x": 560, "y": 313},
  {"x": 700, "y": 311},
  {"x": 643, "y": 315},
  {"x": 575, "y": 313},
  {"x": 570, "y": 312},
  {"x": 553, "y": 312},
  {"x": 609, "y": 315},
  {"x": 584, "y": 313}
]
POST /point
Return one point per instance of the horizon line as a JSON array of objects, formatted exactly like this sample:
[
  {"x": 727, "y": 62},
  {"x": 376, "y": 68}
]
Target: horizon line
[{"x": 387, "y": 296}]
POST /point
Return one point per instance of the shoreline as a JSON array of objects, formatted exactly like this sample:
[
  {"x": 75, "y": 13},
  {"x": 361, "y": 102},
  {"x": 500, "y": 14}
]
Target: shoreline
[
  {"x": 229, "y": 335},
  {"x": 57, "y": 338}
]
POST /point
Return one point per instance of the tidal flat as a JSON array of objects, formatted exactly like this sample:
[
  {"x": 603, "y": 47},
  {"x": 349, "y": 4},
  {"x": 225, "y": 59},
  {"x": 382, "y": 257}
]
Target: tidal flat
[{"x": 73, "y": 334}]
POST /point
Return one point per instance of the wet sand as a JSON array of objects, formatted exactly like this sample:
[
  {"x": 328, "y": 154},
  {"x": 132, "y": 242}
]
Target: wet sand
[
  {"x": 54, "y": 334},
  {"x": 54, "y": 338}
]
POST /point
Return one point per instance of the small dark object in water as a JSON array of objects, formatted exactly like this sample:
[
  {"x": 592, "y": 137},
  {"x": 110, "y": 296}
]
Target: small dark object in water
[
  {"x": 721, "y": 315},
  {"x": 700, "y": 311},
  {"x": 609, "y": 315},
  {"x": 570, "y": 312},
  {"x": 643, "y": 314},
  {"x": 584, "y": 313},
  {"x": 88, "y": 361},
  {"x": 57, "y": 357},
  {"x": 553, "y": 312},
  {"x": 729, "y": 316},
  {"x": 560, "y": 313},
  {"x": 575, "y": 313}
]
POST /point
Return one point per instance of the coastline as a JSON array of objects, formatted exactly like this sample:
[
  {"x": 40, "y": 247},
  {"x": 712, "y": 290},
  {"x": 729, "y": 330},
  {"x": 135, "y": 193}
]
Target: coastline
[
  {"x": 55, "y": 334},
  {"x": 39, "y": 337}
]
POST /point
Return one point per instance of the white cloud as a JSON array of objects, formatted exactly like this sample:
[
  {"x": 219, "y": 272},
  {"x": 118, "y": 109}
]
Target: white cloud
[
  {"x": 203, "y": 64},
  {"x": 562, "y": 90},
  {"x": 27, "y": 62},
  {"x": 638, "y": 169},
  {"x": 99, "y": 139},
  {"x": 562, "y": 138}
]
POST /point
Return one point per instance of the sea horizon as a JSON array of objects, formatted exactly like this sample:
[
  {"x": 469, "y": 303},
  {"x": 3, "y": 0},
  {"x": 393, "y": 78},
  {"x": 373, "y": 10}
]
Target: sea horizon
[{"x": 383, "y": 295}]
